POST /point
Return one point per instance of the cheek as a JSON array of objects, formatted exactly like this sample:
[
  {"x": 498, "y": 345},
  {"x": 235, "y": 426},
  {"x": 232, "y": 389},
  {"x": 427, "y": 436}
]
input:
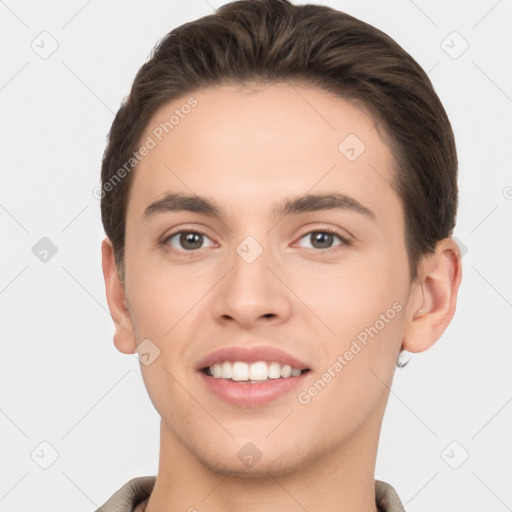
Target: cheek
[
  {"x": 365, "y": 311},
  {"x": 358, "y": 370},
  {"x": 161, "y": 294},
  {"x": 354, "y": 296}
]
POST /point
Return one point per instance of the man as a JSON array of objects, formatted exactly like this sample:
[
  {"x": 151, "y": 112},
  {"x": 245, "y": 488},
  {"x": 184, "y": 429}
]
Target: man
[{"x": 279, "y": 193}]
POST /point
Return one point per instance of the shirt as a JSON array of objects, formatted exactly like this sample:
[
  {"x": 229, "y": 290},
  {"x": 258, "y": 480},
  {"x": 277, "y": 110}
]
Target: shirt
[{"x": 137, "y": 491}]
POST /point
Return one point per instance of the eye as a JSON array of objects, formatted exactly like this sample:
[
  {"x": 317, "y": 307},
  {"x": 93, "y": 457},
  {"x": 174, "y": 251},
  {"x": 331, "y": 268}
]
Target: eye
[
  {"x": 324, "y": 239},
  {"x": 188, "y": 240}
]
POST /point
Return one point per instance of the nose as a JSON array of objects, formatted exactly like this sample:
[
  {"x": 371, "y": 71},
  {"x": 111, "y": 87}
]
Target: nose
[{"x": 251, "y": 294}]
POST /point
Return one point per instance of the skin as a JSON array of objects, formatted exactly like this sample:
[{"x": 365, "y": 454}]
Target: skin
[{"x": 248, "y": 149}]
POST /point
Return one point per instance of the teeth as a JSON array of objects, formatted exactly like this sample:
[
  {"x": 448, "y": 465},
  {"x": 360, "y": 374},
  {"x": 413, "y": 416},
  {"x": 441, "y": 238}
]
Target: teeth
[
  {"x": 226, "y": 370},
  {"x": 274, "y": 371},
  {"x": 258, "y": 371},
  {"x": 286, "y": 371},
  {"x": 217, "y": 370},
  {"x": 240, "y": 371}
]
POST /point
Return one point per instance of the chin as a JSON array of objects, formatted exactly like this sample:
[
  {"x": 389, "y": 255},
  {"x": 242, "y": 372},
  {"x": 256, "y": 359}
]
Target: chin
[{"x": 282, "y": 465}]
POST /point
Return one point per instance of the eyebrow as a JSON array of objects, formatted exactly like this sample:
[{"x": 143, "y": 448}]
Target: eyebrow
[{"x": 294, "y": 205}]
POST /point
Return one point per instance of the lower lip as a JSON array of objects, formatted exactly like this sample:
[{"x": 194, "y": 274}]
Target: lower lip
[{"x": 247, "y": 394}]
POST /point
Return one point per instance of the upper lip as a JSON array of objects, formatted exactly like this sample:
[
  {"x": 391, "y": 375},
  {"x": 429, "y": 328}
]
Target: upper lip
[{"x": 251, "y": 355}]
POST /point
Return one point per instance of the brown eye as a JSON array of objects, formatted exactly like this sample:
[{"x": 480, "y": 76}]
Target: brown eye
[
  {"x": 322, "y": 240},
  {"x": 188, "y": 240}
]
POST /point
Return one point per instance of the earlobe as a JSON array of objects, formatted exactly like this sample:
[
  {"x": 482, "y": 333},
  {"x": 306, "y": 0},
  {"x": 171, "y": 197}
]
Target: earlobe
[
  {"x": 434, "y": 299},
  {"x": 124, "y": 338}
]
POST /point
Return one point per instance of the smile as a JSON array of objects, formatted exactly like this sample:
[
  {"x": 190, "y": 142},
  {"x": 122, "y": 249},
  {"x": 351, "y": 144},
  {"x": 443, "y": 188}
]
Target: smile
[
  {"x": 251, "y": 376},
  {"x": 259, "y": 371}
]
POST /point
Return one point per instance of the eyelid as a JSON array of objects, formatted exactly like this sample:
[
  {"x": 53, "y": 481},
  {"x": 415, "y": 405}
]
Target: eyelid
[
  {"x": 187, "y": 228},
  {"x": 345, "y": 237},
  {"x": 183, "y": 229}
]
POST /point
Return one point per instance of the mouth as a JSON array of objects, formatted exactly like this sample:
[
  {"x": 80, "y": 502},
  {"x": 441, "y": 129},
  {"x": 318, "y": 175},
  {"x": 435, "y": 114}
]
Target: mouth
[
  {"x": 260, "y": 371},
  {"x": 251, "y": 376}
]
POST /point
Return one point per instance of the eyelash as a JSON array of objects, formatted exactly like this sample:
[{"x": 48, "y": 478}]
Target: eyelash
[{"x": 345, "y": 241}]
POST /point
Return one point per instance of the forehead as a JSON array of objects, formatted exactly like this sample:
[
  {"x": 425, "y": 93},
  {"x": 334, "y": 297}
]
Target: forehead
[{"x": 261, "y": 139}]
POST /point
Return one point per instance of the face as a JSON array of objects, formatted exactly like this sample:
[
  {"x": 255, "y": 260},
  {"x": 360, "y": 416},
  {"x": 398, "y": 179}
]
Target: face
[{"x": 265, "y": 245}]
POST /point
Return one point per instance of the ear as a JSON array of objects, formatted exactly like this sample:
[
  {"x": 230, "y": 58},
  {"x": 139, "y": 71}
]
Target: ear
[
  {"x": 124, "y": 338},
  {"x": 433, "y": 300}
]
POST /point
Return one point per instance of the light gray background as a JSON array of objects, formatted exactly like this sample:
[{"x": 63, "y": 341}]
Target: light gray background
[{"x": 62, "y": 380}]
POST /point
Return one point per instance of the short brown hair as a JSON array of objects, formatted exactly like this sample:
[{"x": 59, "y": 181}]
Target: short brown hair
[{"x": 275, "y": 41}]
